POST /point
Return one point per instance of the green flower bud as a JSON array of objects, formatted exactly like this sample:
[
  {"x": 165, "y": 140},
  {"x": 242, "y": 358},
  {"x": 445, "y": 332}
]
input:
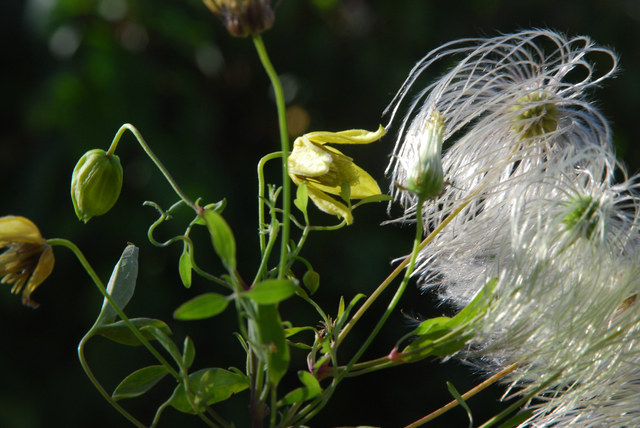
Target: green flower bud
[{"x": 95, "y": 184}]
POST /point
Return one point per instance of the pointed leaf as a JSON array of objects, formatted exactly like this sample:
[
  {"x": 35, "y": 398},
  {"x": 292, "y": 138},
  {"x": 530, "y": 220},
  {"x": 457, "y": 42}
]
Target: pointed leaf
[
  {"x": 209, "y": 386},
  {"x": 302, "y": 197},
  {"x": 310, "y": 390},
  {"x": 121, "y": 284},
  {"x": 272, "y": 336},
  {"x": 343, "y": 314},
  {"x": 222, "y": 238},
  {"x": 371, "y": 199},
  {"x": 203, "y": 306},
  {"x": 185, "y": 266},
  {"x": 120, "y": 333},
  {"x": 454, "y": 392},
  {"x": 517, "y": 419},
  {"x": 139, "y": 382},
  {"x": 188, "y": 352},
  {"x": 271, "y": 291},
  {"x": 165, "y": 341}
]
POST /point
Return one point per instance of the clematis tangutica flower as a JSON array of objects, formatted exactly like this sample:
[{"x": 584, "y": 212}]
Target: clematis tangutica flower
[
  {"x": 326, "y": 171},
  {"x": 27, "y": 259}
]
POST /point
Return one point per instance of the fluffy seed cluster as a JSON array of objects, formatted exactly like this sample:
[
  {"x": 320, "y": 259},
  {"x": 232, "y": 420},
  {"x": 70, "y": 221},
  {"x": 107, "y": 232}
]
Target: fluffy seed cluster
[{"x": 534, "y": 209}]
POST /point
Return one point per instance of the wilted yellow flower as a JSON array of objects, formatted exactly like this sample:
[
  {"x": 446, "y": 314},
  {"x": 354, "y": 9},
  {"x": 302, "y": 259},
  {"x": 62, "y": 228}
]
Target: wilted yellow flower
[
  {"x": 243, "y": 17},
  {"x": 28, "y": 259},
  {"x": 326, "y": 170}
]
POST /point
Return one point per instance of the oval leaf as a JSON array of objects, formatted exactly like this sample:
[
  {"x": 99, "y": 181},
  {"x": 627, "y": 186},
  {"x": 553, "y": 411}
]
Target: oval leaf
[
  {"x": 121, "y": 285},
  {"x": 311, "y": 280},
  {"x": 139, "y": 382},
  {"x": 120, "y": 333},
  {"x": 271, "y": 291},
  {"x": 209, "y": 386},
  {"x": 222, "y": 238},
  {"x": 272, "y": 336},
  {"x": 201, "y": 307},
  {"x": 310, "y": 390},
  {"x": 185, "y": 265}
]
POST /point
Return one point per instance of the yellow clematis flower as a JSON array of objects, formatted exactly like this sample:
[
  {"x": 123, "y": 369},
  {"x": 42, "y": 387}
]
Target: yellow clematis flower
[
  {"x": 326, "y": 170},
  {"x": 28, "y": 259}
]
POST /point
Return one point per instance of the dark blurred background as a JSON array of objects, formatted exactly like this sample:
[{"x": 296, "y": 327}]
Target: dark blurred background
[{"x": 75, "y": 70}]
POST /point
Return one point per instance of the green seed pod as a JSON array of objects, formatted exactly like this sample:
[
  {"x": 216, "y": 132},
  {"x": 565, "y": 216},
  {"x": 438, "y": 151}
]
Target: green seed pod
[{"x": 95, "y": 184}]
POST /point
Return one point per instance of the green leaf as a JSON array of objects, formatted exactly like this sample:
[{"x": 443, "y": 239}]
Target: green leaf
[
  {"x": 216, "y": 206},
  {"x": 454, "y": 392},
  {"x": 271, "y": 291},
  {"x": 340, "y": 307},
  {"x": 121, "y": 285},
  {"x": 343, "y": 314},
  {"x": 517, "y": 419},
  {"x": 222, "y": 238},
  {"x": 209, "y": 386},
  {"x": 165, "y": 341},
  {"x": 139, "y": 382},
  {"x": 310, "y": 390},
  {"x": 302, "y": 198},
  {"x": 310, "y": 381},
  {"x": 203, "y": 306},
  {"x": 272, "y": 337},
  {"x": 430, "y": 341},
  {"x": 185, "y": 266},
  {"x": 478, "y": 305},
  {"x": 120, "y": 333},
  {"x": 188, "y": 352},
  {"x": 311, "y": 280},
  {"x": 371, "y": 199},
  {"x": 295, "y": 330}
]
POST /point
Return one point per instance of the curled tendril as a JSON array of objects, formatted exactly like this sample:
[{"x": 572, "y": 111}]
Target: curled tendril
[{"x": 184, "y": 238}]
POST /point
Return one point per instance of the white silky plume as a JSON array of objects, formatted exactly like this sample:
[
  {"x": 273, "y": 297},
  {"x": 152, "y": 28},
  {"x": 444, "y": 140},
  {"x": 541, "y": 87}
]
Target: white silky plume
[
  {"x": 565, "y": 305},
  {"x": 533, "y": 209},
  {"x": 511, "y": 105}
]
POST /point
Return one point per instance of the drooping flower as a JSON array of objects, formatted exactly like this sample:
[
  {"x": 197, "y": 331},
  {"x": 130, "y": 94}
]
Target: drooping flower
[
  {"x": 512, "y": 104},
  {"x": 27, "y": 259},
  {"x": 326, "y": 171},
  {"x": 243, "y": 17}
]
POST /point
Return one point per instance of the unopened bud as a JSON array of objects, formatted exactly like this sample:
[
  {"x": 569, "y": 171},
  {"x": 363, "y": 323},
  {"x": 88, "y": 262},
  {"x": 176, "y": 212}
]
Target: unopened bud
[
  {"x": 243, "y": 17},
  {"x": 95, "y": 184},
  {"x": 425, "y": 177}
]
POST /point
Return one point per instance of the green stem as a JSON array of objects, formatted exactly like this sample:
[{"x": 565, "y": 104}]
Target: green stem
[
  {"x": 284, "y": 144},
  {"x": 152, "y": 156},
  {"x": 347, "y": 328},
  {"x": 311, "y": 410},
  {"x": 399, "y": 292},
  {"x": 101, "y": 390},
  {"x": 96, "y": 279},
  {"x": 473, "y": 391},
  {"x": 261, "y": 200}
]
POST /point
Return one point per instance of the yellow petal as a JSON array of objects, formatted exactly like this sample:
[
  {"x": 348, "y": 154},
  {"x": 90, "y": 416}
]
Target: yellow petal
[
  {"x": 350, "y": 136},
  {"x": 361, "y": 186},
  {"x": 18, "y": 229},
  {"x": 40, "y": 273},
  {"x": 328, "y": 204},
  {"x": 308, "y": 159}
]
